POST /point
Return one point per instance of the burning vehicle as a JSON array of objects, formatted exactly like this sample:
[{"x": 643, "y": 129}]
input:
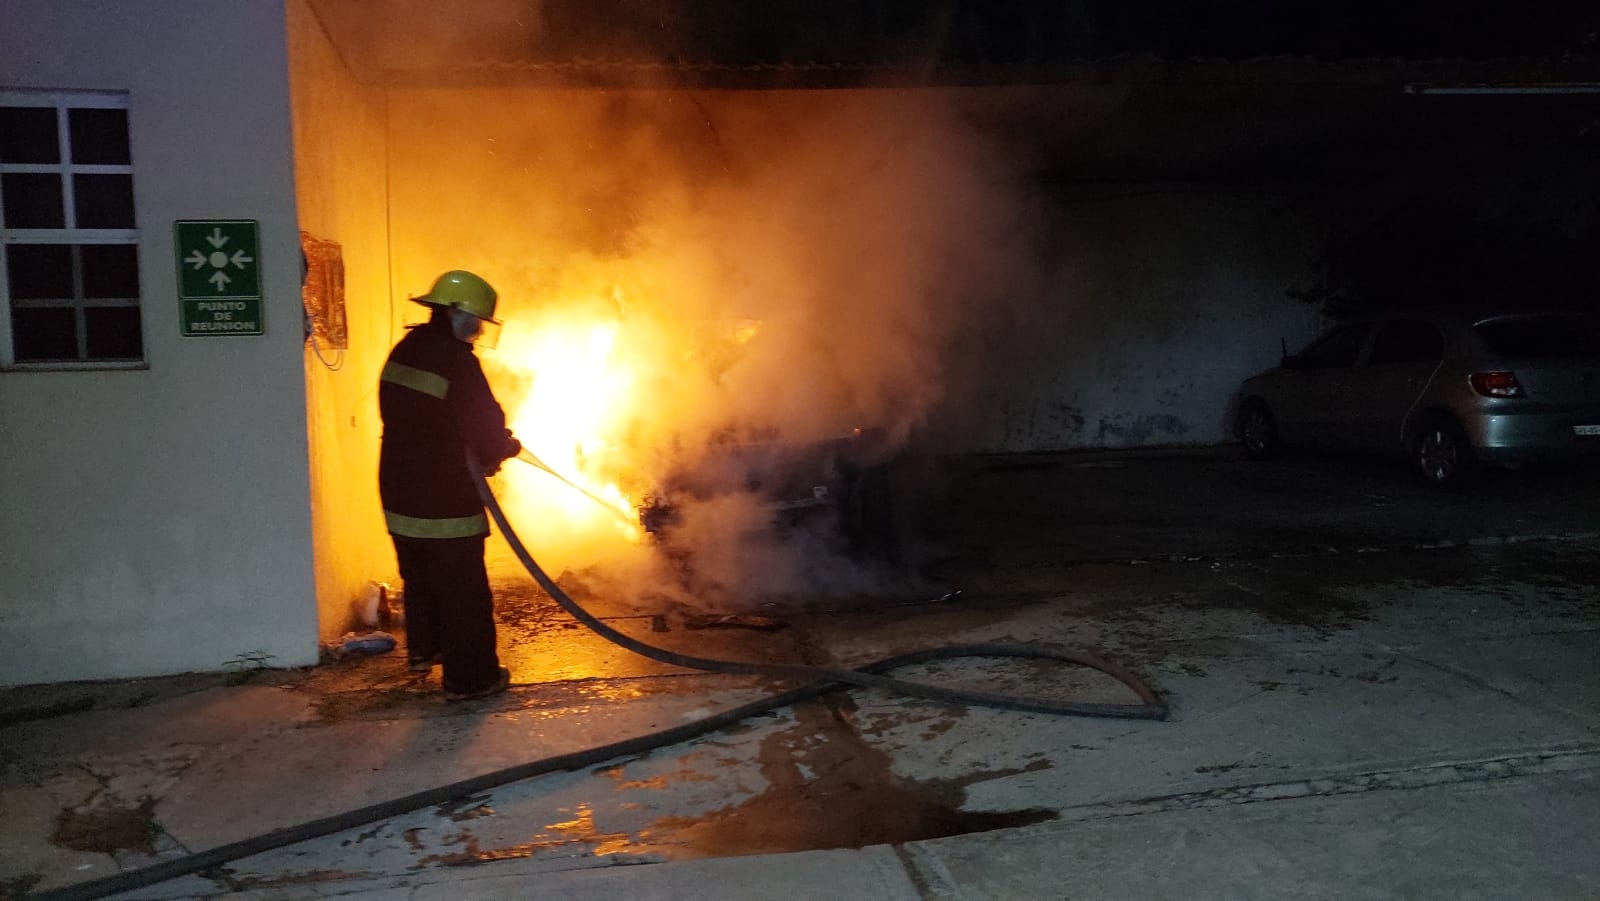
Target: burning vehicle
[
  {"x": 720, "y": 499},
  {"x": 838, "y": 486},
  {"x": 843, "y": 481}
]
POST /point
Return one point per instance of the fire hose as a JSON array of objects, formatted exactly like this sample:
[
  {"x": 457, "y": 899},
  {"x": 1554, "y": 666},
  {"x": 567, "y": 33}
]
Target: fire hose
[{"x": 814, "y": 681}]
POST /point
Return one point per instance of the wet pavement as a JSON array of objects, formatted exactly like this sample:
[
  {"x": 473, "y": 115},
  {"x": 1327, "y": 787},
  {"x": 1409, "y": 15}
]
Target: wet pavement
[{"x": 1376, "y": 691}]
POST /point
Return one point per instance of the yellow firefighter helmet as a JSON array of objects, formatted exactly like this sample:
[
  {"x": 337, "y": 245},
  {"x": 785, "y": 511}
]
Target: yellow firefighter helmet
[{"x": 464, "y": 291}]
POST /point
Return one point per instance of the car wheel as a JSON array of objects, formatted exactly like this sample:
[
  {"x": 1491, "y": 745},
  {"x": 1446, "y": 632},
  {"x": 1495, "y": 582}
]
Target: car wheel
[
  {"x": 1443, "y": 454},
  {"x": 1259, "y": 431}
]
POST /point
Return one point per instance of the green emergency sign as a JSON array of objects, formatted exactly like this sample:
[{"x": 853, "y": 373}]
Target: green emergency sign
[{"x": 219, "y": 276}]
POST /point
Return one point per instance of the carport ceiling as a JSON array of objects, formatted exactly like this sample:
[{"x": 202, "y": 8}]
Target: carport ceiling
[
  {"x": 847, "y": 43},
  {"x": 632, "y": 43},
  {"x": 1120, "y": 89}
]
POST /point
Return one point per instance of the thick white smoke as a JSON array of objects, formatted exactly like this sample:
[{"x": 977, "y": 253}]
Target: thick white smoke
[{"x": 779, "y": 267}]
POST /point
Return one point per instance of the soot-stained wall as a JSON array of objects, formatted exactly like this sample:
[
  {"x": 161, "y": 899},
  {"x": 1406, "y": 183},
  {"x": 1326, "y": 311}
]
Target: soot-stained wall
[{"x": 1164, "y": 296}]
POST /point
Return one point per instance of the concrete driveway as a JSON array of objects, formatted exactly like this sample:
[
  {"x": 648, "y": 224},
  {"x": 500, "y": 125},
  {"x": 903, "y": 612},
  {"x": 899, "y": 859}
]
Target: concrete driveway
[{"x": 1377, "y": 691}]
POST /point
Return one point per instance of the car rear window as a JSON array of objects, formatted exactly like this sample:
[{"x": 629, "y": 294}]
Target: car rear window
[
  {"x": 1541, "y": 336},
  {"x": 1407, "y": 341}
]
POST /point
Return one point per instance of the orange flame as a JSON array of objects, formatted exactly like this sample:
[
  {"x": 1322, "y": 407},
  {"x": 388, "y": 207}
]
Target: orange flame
[{"x": 578, "y": 392}]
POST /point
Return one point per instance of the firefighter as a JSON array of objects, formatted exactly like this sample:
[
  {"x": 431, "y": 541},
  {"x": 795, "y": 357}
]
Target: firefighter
[{"x": 437, "y": 408}]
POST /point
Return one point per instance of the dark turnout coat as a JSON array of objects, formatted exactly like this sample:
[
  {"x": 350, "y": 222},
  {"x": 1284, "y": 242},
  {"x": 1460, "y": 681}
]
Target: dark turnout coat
[{"x": 436, "y": 407}]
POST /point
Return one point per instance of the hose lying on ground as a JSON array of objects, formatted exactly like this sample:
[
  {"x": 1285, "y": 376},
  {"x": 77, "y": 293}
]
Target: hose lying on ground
[{"x": 816, "y": 681}]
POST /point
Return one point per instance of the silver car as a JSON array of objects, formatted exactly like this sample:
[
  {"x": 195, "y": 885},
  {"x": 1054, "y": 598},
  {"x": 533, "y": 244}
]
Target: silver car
[{"x": 1453, "y": 389}]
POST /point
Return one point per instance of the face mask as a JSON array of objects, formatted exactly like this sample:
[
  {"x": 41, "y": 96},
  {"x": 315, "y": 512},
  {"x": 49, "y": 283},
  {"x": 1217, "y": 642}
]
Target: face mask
[{"x": 472, "y": 330}]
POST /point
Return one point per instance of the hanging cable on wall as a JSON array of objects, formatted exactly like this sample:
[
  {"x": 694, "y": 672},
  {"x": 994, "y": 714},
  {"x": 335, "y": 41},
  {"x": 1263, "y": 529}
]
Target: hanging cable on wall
[{"x": 334, "y": 365}]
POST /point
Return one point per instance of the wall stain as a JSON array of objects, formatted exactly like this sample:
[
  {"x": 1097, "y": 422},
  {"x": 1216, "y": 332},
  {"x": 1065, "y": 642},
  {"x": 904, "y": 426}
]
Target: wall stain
[{"x": 1141, "y": 430}]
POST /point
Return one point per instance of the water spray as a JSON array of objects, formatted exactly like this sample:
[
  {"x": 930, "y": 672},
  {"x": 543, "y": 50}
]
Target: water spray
[{"x": 528, "y": 457}]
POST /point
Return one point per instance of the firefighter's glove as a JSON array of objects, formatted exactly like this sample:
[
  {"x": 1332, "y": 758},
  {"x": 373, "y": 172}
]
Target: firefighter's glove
[{"x": 513, "y": 446}]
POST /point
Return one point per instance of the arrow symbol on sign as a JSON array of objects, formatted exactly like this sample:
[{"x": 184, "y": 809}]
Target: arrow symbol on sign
[
  {"x": 197, "y": 258},
  {"x": 239, "y": 259},
  {"x": 220, "y": 279},
  {"x": 216, "y": 238}
]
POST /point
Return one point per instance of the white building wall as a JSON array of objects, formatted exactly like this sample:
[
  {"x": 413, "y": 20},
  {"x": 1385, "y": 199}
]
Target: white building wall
[
  {"x": 341, "y": 175},
  {"x": 158, "y": 520}
]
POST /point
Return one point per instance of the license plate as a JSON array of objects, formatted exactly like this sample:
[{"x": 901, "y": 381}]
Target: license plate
[{"x": 1586, "y": 430}]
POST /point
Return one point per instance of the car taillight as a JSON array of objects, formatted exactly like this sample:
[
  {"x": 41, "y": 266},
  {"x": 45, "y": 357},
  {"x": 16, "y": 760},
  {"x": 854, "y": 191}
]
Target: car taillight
[{"x": 1496, "y": 384}]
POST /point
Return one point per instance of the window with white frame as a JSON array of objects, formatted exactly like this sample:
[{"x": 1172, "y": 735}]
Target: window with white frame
[{"x": 69, "y": 274}]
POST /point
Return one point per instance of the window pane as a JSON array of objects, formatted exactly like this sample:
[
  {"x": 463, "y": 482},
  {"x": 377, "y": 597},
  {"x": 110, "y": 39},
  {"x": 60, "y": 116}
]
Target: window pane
[
  {"x": 113, "y": 333},
  {"x": 39, "y": 271},
  {"x": 32, "y": 200},
  {"x": 103, "y": 201},
  {"x": 1541, "y": 336},
  {"x": 1338, "y": 348},
  {"x": 98, "y": 135},
  {"x": 110, "y": 270},
  {"x": 28, "y": 135},
  {"x": 44, "y": 334}
]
